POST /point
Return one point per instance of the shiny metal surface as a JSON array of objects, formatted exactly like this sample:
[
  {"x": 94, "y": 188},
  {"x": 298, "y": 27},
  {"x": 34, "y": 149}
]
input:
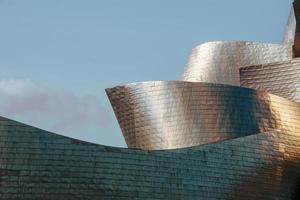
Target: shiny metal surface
[
  {"x": 39, "y": 165},
  {"x": 176, "y": 114},
  {"x": 166, "y": 115},
  {"x": 219, "y": 62},
  {"x": 242, "y": 143},
  {"x": 282, "y": 79},
  {"x": 290, "y": 29}
]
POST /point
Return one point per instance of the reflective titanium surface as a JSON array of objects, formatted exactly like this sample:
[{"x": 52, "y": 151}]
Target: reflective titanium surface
[
  {"x": 36, "y": 165},
  {"x": 167, "y": 115},
  {"x": 282, "y": 79},
  {"x": 241, "y": 143},
  {"x": 219, "y": 62},
  {"x": 176, "y": 114}
]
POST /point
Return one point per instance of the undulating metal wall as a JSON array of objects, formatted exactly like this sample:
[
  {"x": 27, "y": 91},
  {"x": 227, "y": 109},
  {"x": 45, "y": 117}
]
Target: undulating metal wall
[
  {"x": 242, "y": 143},
  {"x": 35, "y": 165},
  {"x": 219, "y": 62},
  {"x": 177, "y": 114},
  {"x": 166, "y": 115}
]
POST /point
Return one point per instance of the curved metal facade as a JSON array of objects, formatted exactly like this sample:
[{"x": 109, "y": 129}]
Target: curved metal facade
[
  {"x": 36, "y": 165},
  {"x": 282, "y": 79},
  {"x": 219, "y": 62},
  {"x": 196, "y": 111},
  {"x": 176, "y": 114},
  {"x": 242, "y": 143}
]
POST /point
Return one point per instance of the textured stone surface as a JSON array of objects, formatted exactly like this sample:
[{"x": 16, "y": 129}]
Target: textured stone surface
[
  {"x": 176, "y": 114},
  {"x": 36, "y": 164}
]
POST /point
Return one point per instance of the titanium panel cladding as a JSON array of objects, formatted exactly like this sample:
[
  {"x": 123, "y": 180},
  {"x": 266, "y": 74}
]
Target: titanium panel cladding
[
  {"x": 219, "y": 62},
  {"x": 176, "y": 114},
  {"x": 36, "y": 165},
  {"x": 241, "y": 143},
  {"x": 282, "y": 79}
]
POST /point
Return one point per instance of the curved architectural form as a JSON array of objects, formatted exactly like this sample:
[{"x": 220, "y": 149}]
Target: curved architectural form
[
  {"x": 36, "y": 165},
  {"x": 176, "y": 114},
  {"x": 166, "y": 115},
  {"x": 241, "y": 143},
  {"x": 282, "y": 79},
  {"x": 219, "y": 62}
]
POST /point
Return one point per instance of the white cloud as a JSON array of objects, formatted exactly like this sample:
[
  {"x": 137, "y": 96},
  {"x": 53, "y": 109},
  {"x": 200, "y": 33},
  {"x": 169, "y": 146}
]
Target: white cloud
[{"x": 56, "y": 110}]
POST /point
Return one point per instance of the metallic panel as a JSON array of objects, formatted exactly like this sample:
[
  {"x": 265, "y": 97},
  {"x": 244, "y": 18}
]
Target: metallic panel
[
  {"x": 258, "y": 157},
  {"x": 282, "y": 79},
  {"x": 176, "y": 114},
  {"x": 219, "y": 62},
  {"x": 290, "y": 29},
  {"x": 36, "y": 165}
]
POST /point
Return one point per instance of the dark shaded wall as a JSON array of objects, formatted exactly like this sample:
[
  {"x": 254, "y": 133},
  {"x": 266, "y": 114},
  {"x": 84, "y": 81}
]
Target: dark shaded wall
[{"x": 35, "y": 164}]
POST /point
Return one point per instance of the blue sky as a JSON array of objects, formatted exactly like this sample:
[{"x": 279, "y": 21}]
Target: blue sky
[{"x": 58, "y": 56}]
